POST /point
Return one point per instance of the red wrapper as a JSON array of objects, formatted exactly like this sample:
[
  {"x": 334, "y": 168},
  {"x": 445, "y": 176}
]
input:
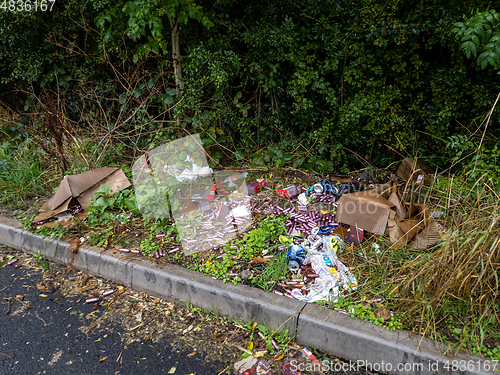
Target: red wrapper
[{"x": 289, "y": 191}]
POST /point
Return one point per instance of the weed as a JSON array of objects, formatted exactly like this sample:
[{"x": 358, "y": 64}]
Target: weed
[
  {"x": 448, "y": 292},
  {"x": 277, "y": 268},
  {"x": 226, "y": 265},
  {"x": 149, "y": 246},
  {"x": 56, "y": 231},
  {"x": 22, "y": 172},
  {"x": 39, "y": 260}
]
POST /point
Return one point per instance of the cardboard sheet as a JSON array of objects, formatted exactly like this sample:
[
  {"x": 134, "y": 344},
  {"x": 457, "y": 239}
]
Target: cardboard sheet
[
  {"x": 415, "y": 170},
  {"x": 366, "y": 210},
  {"x": 427, "y": 238},
  {"x": 79, "y": 188},
  {"x": 400, "y": 208}
]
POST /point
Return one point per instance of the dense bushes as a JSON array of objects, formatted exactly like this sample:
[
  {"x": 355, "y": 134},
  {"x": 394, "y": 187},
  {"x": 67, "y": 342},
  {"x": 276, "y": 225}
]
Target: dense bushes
[{"x": 316, "y": 84}]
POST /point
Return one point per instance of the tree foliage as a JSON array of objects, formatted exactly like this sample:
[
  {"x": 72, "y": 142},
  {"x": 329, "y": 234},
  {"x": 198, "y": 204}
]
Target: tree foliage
[
  {"x": 480, "y": 34},
  {"x": 313, "y": 84}
]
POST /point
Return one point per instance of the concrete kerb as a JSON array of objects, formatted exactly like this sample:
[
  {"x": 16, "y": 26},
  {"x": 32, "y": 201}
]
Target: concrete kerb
[
  {"x": 366, "y": 344},
  {"x": 393, "y": 352},
  {"x": 11, "y": 236},
  {"x": 241, "y": 302}
]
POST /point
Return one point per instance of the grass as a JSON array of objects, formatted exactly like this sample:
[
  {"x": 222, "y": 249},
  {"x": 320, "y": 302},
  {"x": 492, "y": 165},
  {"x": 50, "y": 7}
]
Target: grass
[
  {"x": 23, "y": 173},
  {"x": 449, "y": 293}
]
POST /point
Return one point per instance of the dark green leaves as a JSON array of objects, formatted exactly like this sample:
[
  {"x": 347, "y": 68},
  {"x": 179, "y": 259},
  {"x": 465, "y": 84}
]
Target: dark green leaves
[{"x": 481, "y": 34}]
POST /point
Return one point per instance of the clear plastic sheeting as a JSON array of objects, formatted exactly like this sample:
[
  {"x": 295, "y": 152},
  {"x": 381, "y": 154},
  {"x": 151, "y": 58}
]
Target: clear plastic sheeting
[{"x": 208, "y": 208}]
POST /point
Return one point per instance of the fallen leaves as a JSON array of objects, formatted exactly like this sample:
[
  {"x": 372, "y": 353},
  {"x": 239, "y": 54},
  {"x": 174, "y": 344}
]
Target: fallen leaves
[
  {"x": 279, "y": 356},
  {"x": 191, "y": 354},
  {"x": 74, "y": 245},
  {"x": 383, "y": 313},
  {"x": 56, "y": 357}
]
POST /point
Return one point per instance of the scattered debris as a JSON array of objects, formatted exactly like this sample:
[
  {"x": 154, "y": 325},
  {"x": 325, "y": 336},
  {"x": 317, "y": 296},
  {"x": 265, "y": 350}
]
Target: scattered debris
[
  {"x": 56, "y": 357},
  {"x": 415, "y": 170},
  {"x": 298, "y": 363},
  {"x": 252, "y": 365}
]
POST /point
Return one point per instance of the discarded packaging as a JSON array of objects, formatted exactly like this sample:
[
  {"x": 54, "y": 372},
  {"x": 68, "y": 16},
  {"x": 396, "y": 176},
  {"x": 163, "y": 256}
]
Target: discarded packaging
[
  {"x": 302, "y": 359},
  {"x": 346, "y": 188},
  {"x": 188, "y": 174},
  {"x": 222, "y": 212},
  {"x": 253, "y": 187},
  {"x": 240, "y": 211},
  {"x": 415, "y": 170},
  {"x": 333, "y": 244},
  {"x": 289, "y": 191},
  {"x": 78, "y": 190},
  {"x": 333, "y": 277},
  {"x": 252, "y": 366},
  {"x": 231, "y": 180},
  {"x": 302, "y": 198},
  {"x": 296, "y": 256},
  {"x": 366, "y": 210},
  {"x": 370, "y": 211},
  {"x": 427, "y": 238},
  {"x": 204, "y": 206},
  {"x": 209, "y": 194}
]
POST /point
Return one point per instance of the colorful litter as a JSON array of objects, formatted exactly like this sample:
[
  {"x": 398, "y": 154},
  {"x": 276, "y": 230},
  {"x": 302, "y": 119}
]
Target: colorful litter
[{"x": 213, "y": 209}]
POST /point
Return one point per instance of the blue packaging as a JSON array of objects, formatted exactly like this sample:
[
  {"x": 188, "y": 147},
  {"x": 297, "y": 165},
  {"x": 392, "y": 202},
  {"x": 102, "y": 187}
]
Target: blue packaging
[{"x": 296, "y": 257}]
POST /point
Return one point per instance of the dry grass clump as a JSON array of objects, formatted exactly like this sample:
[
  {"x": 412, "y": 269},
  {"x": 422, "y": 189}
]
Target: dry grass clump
[
  {"x": 450, "y": 292},
  {"x": 461, "y": 274}
]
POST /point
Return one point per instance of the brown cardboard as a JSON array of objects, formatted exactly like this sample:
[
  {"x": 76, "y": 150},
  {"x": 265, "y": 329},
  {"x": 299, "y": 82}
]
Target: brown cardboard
[
  {"x": 81, "y": 187},
  {"x": 370, "y": 211},
  {"x": 393, "y": 230},
  {"x": 383, "y": 189},
  {"x": 410, "y": 169},
  {"x": 365, "y": 209},
  {"x": 409, "y": 229},
  {"x": 427, "y": 238},
  {"x": 400, "y": 208},
  {"x": 191, "y": 208},
  {"x": 336, "y": 178}
]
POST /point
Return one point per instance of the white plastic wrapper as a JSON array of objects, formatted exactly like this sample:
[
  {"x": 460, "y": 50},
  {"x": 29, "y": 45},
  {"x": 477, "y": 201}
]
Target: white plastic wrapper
[{"x": 333, "y": 278}]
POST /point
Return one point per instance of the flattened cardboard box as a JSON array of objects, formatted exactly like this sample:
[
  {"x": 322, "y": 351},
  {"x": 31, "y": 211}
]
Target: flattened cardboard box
[
  {"x": 364, "y": 209},
  {"x": 410, "y": 169},
  {"x": 81, "y": 187}
]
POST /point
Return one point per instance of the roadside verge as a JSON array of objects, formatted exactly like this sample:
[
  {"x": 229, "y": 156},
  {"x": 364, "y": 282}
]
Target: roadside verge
[{"x": 365, "y": 344}]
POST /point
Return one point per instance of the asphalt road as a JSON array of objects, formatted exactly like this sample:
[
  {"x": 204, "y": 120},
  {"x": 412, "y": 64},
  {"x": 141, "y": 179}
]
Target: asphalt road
[
  {"x": 48, "y": 328},
  {"x": 39, "y": 335}
]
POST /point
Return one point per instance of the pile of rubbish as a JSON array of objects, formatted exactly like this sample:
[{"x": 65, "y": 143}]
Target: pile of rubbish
[{"x": 211, "y": 208}]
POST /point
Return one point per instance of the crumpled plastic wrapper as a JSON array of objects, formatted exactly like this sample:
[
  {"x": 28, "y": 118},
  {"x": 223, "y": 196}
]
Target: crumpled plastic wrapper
[{"x": 333, "y": 278}]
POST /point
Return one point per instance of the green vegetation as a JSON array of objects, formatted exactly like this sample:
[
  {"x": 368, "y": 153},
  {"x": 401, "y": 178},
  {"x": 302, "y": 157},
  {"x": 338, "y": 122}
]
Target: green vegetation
[
  {"x": 256, "y": 242},
  {"x": 348, "y": 85},
  {"x": 22, "y": 172},
  {"x": 448, "y": 289},
  {"x": 148, "y": 246}
]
